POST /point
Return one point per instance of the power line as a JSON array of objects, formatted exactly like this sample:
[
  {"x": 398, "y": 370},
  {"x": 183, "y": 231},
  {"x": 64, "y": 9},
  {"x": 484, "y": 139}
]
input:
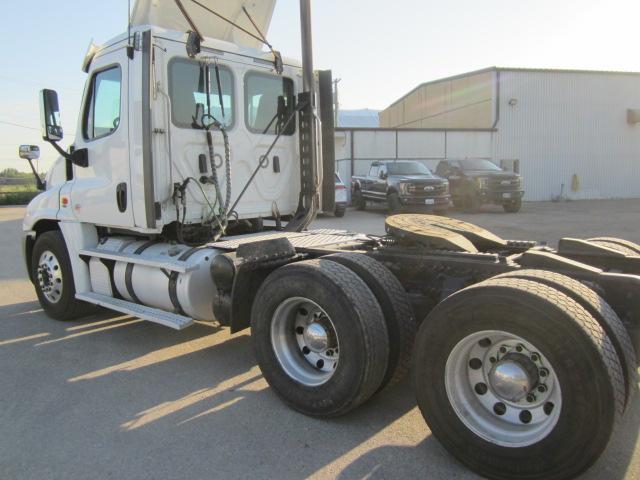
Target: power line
[
  {"x": 26, "y": 126},
  {"x": 18, "y": 125}
]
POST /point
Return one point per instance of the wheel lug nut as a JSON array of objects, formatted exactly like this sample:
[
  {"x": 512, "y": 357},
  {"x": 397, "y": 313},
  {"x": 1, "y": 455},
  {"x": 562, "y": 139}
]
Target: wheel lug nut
[
  {"x": 525, "y": 416},
  {"x": 503, "y": 349},
  {"x": 535, "y": 357},
  {"x": 320, "y": 363},
  {"x": 500, "y": 408},
  {"x": 493, "y": 360},
  {"x": 481, "y": 388},
  {"x": 484, "y": 343},
  {"x": 548, "y": 408},
  {"x": 329, "y": 353},
  {"x": 531, "y": 398},
  {"x": 299, "y": 330},
  {"x": 544, "y": 372},
  {"x": 542, "y": 388},
  {"x": 475, "y": 364},
  {"x": 306, "y": 350},
  {"x": 519, "y": 348}
]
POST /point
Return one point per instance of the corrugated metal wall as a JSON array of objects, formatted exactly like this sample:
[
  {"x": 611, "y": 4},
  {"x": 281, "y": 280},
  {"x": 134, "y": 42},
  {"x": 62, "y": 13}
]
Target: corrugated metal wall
[
  {"x": 464, "y": 101},
  {"x": 561, "y": 124}
]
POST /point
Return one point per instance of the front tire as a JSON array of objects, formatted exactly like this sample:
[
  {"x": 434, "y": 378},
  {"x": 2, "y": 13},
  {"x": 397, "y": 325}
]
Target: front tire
[
  {"x": 340, "y": 210},
  {"x": 513, "y": 206},
  {"x": 320, "y": 338},
  {"x": 393, "y": 203},
  {"x": 53, "y": 278},
  {"x": 517, "y": 380},
  {"x": 358, "y": 200}
]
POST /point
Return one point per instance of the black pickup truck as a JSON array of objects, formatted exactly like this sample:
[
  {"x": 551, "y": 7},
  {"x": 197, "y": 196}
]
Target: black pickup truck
[
  {"x": 400, "y": 183},
  {"x": 475, "y": 182}
]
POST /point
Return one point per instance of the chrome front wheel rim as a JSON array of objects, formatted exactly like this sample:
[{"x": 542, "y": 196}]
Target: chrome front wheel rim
[
  {"x": 305, "y": 341},
  {"x": 503, "y": 388},
  {"x": 49, "y": 276}
]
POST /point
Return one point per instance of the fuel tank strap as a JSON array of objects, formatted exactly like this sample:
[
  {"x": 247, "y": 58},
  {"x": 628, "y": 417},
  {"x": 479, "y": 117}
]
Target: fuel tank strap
[
  {"x": 129, "y": 271},
  {"x": 173, "y": 279}
]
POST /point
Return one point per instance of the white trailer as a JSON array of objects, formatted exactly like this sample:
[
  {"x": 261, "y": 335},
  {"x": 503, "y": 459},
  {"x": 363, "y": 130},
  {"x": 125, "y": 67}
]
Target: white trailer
[{"x": 198, "y": 165}]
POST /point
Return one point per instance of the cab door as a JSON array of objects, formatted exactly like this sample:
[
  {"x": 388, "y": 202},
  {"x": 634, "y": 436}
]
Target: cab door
[{"x": 101, "y": 192}]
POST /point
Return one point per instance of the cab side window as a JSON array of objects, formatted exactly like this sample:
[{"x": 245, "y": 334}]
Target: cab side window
[
  {"x": 268, "y": 103},
  {"x": 373, "y": 172},
  {"x": 102, "y": 110}
]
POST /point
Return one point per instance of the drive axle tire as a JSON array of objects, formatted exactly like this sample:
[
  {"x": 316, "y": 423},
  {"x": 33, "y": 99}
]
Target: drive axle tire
[
  {"x": 600, "y": 310},
  {"x": 517, "y": 380},
  {"x": 320, "y": 337},
  {"x": 615, "y": 245},
  {"x": 396, "y": 308},
  {"x": 53, "y": 278},
  {"x": 633, "y": 247},
  {"x": 512, "y": 207}
]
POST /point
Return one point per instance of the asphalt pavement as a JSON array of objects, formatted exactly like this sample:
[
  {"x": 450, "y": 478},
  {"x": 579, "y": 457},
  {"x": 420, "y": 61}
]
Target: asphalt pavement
[{"x": 114, "y": 397}]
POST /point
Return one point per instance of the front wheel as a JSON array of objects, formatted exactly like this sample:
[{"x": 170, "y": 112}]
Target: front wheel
[
  {"x": 512, "y": 207},
  {"x": 53, "y": 278},
  {"x": 517, "y": 380},
  {"x": 358, "y": 200},
  {"x": 393, "y": 203},
  {"x": 340, "y": 210}
]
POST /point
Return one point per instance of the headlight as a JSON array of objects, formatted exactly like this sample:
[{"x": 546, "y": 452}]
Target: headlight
[
  {"x": 403, "y": 188},
  {"x": 446, "y": 186}
]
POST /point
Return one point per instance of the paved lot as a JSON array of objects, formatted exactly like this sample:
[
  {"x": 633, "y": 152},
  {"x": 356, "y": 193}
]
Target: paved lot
[{"x": 115, "y": 397}]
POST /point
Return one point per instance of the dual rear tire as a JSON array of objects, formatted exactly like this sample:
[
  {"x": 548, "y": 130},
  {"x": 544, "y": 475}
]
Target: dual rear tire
[
  {"x": 329, "y": 333},
  {"x": 518, "y": 380}
]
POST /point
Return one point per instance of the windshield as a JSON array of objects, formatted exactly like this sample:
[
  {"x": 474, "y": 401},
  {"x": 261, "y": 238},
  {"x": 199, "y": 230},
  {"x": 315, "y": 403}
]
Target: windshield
[
  {"x": 479, "y": 164},
  {"x": 407, "y": 168}
]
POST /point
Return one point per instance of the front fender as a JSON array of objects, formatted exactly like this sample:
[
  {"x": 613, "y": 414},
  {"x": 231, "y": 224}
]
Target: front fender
[{"x": 44, "y": 206}]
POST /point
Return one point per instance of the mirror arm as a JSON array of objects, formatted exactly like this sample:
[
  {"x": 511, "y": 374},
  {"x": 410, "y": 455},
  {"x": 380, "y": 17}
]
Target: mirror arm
[
  {"x": 40, "y": 185},
  {"x": 78, "y": 157}
]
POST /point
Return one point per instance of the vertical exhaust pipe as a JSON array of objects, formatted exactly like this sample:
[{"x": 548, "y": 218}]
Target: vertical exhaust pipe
[
  {"x": 309, "y": 135},
  {"x": 308, "y": 83}
]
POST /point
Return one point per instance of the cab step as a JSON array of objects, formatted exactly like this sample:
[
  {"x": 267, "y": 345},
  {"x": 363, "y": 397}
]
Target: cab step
[{"x": 172, "y": 320}]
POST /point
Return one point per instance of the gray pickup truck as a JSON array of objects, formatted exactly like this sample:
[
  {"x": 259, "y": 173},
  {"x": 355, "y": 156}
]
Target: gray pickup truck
[{"x": 401, "y": 183}]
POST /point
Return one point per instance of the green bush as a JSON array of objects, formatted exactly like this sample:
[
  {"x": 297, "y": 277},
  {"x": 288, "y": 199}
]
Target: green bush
[{"x": 16, "y": 198}]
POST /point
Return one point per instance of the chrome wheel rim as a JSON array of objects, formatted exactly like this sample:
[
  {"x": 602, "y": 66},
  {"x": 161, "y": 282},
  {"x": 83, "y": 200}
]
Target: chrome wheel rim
[
  {"x": 305, "y": 341},
  {"x": 49, "y": 276},
  {"x": 503, "y": 388}
]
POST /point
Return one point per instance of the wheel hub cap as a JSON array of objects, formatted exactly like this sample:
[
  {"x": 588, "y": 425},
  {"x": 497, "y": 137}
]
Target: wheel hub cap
[
  {"x": 315, "y": 337},
  {"x": 513, "y": 378},
  {"x": 49, "y": 277},
  {"x": 305, "y": 341}
]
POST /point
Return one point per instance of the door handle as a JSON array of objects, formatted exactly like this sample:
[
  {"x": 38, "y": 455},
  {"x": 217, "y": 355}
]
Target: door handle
[{"x": 121, "y": 196}]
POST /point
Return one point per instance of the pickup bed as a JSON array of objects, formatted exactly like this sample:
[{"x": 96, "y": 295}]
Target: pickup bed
[{"x": 401, "y": 184}]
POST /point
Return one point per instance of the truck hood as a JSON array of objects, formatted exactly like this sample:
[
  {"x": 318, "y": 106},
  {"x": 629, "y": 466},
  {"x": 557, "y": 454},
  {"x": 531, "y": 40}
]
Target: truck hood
[
  {"x": 166, "y": 14},
  {"x": 490, "y": 174},
  {"x": 421, "y": 179}
]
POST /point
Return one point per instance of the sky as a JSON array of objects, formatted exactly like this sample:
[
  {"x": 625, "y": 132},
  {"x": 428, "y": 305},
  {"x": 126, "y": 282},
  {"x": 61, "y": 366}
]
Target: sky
[{"x": 380, "y": 49}]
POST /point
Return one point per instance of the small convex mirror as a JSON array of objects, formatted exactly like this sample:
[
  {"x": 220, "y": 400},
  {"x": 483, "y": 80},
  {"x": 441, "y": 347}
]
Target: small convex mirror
[
  {"x": 50, "y": 116},
  {"x": 29, "y": 152}
]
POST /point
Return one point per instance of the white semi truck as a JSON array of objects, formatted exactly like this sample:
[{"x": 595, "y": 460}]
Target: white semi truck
[{"x": 198, "y": 165}]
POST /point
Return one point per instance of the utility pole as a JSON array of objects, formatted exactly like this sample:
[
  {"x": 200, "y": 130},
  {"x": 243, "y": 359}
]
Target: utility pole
[{"x": 336, "y": 102}]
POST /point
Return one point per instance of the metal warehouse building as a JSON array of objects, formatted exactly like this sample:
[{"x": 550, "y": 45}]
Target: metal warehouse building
[{"x": 571, "y": 133}]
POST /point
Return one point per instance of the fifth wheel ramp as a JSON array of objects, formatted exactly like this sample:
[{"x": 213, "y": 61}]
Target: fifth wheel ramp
[
  {"x": 418, "y": 226},
  {"x": 413, "y": 228}
]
